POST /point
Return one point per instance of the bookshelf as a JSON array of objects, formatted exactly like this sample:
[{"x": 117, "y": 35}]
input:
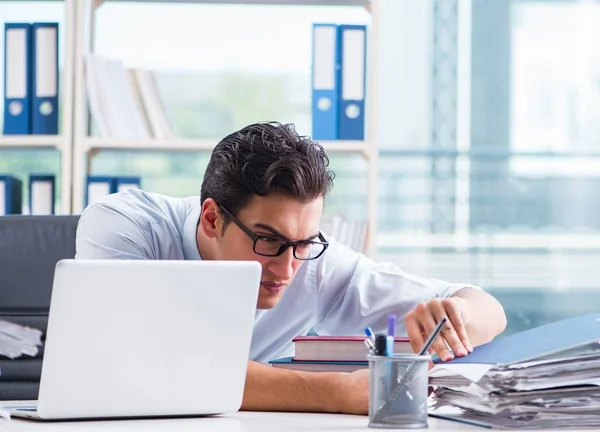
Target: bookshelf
[
  {"x": 36, "y": 142},
  {"x": 84, "y": 147},
  {"x": 180, "y": 144},
  {"x": 62, "y": 142}
]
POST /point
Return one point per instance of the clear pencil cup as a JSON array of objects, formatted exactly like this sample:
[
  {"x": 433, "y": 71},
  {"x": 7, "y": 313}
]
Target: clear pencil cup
[{"x": 398, "y": 391}]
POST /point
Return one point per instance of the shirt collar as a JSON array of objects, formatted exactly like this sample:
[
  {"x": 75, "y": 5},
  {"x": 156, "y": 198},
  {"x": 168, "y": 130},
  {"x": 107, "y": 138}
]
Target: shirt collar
[{"x": 190, "y": 247}]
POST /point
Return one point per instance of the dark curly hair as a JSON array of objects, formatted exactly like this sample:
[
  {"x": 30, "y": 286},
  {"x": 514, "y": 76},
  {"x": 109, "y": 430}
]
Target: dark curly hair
[{"x": 265, "y": 158}]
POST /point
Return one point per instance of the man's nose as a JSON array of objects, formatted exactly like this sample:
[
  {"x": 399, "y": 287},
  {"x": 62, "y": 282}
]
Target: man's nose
[{"x": 283, "y": 265}]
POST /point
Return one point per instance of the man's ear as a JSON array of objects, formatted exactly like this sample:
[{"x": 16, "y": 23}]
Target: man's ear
[{"x": 211, "y": 221}]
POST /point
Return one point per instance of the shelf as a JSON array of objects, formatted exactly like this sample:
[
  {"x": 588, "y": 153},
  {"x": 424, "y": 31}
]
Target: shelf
[
  {"x": 18, "y": 142},
  {"x": 176, "y": 144},
  {"x": 191, "y": 145},
  {"x": 255, "y": 2},
  {"x": 346, "y": 147}
]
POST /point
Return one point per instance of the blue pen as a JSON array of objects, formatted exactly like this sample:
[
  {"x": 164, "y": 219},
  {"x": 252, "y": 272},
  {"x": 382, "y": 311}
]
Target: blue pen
[{"x": 370, "y": 334}]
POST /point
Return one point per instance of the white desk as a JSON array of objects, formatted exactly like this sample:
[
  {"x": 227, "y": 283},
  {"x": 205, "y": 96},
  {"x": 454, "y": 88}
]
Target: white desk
[{"x": 238, "y": 422}]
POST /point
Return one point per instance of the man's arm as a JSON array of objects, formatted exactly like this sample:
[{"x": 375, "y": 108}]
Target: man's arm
[
  {"x": 355, "y": 292},
  {"x": 104, "y": 232},
  {"x": 273, "y": 389}
]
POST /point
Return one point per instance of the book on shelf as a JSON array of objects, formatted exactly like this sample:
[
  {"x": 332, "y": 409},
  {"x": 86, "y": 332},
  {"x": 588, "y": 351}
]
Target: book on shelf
[
  {"x": 125, "y": 103},
  {"x": 339, "y": 348}
]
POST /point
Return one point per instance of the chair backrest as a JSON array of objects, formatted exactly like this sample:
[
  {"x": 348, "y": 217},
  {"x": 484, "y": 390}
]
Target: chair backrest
[{"x": 30, "y": 247}]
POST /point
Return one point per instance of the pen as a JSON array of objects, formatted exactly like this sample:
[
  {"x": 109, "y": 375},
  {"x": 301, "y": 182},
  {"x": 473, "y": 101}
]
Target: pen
[
  {"x": 370, "y": 334},
  {"x": 432, "y": 336},
  {"x": 392, "y": 325},
  {"x": 389, "y": 346},
  {"x": 391, "y": 334},
  {"x": 423, "y": 351},
  {"x": 409, "y": 372},
  {"x": 380, "y": 344}
]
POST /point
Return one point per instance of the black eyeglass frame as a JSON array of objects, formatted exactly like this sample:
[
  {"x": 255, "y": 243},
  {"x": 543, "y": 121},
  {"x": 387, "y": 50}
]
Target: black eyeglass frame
[{"x": 287, "y": 243}]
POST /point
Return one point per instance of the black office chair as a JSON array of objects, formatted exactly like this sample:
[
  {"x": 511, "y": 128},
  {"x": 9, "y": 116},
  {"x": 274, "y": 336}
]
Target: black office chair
[{"x": 30, "y": 247}]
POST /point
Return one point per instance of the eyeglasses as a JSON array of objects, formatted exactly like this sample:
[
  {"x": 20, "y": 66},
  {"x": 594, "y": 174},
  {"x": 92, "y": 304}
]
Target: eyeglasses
[{"x": 273, "y": 246}]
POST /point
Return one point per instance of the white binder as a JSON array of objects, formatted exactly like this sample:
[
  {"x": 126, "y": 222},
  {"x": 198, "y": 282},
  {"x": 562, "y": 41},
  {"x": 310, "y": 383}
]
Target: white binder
[{"x": 41, "y": 194}]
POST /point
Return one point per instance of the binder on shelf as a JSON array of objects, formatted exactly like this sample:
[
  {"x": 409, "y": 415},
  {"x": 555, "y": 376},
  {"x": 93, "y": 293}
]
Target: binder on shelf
[
  {"x": 17, "y": 78},
  {"x": 155, "y": 109},
  {"x": 97, "y": 187},
  {"x": 353, "y": 47},
  {"x": 44, "y": 109},
  {"x": 11, "y": 195},
  {"x": 325, "y": 81},
  {"x": 124, "y": 183},
  {"x": 97, "y": 95},
  {"x": 42, "y": 193}
]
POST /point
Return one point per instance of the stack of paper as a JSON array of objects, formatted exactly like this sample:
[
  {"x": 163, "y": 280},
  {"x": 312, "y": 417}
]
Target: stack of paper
[
  {"x": 546, "y": 377},
  {"x": 16, "y": 340}
]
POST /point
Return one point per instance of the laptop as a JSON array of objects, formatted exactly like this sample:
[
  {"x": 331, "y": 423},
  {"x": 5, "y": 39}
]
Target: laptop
[{"x": 130, "y": 339}]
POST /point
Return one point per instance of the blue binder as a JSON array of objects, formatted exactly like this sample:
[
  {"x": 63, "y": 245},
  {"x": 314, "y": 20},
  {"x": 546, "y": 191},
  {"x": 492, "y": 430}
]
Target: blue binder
[
  {"x": 17, "y": 78},
  {"x": 98, "y": 187},
  {"x": 536, "y": 342},
  {"x": 11, "y": 195},
  {"x": 325, "y": 81},
  {"x": 124, "y": 183},
  {"x": 352, "y": 80},
  {"x": 44, "y": 110},
  {"x": 42, "y": 194}
]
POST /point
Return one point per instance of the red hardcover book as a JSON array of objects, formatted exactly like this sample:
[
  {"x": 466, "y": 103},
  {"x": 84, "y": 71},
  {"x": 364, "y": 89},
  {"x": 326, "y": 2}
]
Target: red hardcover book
[{"x": 339, "y": 348}]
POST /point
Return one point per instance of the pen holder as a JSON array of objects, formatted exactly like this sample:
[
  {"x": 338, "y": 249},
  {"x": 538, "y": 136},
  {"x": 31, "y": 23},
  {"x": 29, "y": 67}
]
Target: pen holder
[{"x": 398, "y": 391}]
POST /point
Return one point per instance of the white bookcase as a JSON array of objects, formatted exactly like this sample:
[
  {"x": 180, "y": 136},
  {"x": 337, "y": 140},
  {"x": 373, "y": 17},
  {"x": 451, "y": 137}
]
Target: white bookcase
[
  {"x": 77, "y": 148},
  {"x": 63, "y": 142}
]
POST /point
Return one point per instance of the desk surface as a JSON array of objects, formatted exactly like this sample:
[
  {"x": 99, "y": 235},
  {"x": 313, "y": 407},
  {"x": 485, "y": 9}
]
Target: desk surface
[{"x": 238, "y": 422}]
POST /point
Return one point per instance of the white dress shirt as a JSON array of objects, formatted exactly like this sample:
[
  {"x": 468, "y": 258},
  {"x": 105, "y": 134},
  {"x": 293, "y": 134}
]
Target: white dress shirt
[{"x": 340, "y": 293}]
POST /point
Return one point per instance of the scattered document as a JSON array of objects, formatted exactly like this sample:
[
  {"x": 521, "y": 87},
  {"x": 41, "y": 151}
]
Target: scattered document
[
  {"x": 17, "y": 340},
  {"x": 548, "y": 377}
]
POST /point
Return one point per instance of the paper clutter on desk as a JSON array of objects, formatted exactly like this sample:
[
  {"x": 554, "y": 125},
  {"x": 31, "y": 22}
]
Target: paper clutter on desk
[
  {"x": 545, "y": 377},
  {"x": 17, "y": 340}
]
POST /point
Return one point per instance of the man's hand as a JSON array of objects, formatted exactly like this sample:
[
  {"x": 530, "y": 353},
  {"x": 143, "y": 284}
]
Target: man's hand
[
  {"x": 421, "y": 322},
  {"x": 354, "y": 392},
  {"x": 269, "y": 389}
]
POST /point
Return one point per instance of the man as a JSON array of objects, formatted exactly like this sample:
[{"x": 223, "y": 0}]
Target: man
[{"x": 262, "y": 199}]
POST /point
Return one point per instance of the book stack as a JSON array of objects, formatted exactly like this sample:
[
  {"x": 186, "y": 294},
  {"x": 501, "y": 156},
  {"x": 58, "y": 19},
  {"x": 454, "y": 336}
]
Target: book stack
[
  {"x": 545, "y": 377},
  {"x": 332, "y": 353}
]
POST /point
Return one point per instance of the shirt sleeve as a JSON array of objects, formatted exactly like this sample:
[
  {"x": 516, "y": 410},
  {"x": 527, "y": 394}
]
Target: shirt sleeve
[
  {"x": 104, "y": 232},
  {"x": 354, "y": 292}
]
